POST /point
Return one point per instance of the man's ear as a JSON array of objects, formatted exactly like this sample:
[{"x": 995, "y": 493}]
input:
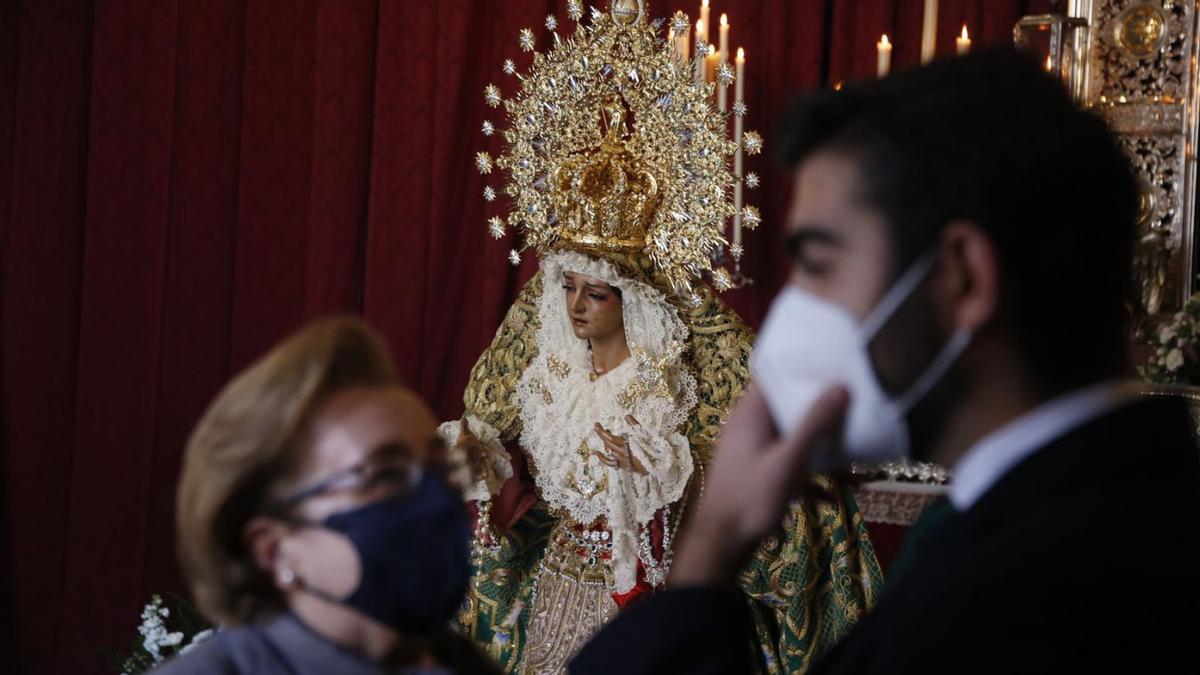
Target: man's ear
[
  {"x": 261, "y": 537},
  {"x": 969, "y": 280}
]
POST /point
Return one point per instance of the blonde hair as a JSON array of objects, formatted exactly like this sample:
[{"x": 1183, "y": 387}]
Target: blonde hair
[{"x": 252, "y": 434}]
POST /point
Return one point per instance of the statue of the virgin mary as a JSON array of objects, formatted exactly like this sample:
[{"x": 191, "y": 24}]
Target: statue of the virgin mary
[{"x": 591, "y": 417}]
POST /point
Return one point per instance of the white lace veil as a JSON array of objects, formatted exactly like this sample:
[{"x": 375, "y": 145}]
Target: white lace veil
[{"x": 651, "y": 322}]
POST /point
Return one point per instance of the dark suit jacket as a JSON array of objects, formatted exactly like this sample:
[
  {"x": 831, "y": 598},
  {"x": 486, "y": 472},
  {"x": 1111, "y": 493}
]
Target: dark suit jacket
[{"x": 1085, "y": 557}]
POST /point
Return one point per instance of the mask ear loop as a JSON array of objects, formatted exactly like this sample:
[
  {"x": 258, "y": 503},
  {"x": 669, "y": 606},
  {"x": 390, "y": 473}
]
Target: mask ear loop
[
  {"x": 941, "y": 364},
  {"x": 896, "y": 296},
  {"x": 935, "y": 371}
]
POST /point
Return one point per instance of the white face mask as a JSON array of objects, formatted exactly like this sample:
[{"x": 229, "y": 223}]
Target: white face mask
[{"x": 808, "y": 344}]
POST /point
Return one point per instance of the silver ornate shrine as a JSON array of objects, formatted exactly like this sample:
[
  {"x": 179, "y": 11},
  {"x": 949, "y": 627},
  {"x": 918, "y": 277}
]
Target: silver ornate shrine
[{"x": 1134, "y": 62}]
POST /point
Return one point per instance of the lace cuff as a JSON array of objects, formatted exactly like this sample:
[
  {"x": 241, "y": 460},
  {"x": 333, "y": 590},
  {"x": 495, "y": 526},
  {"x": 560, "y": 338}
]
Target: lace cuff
[
  {"x": 668, "y": 463},
  {"x": 498, "y": 468}
]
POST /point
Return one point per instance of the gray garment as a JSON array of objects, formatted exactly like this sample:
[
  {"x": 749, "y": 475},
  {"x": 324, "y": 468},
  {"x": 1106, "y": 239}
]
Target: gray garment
[{"x": 279, "y": 646}]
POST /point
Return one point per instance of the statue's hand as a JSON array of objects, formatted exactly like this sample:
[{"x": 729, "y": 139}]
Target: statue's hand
[
  {"x": 618, "y": 449},
  {"x": 476, "y": 452}
]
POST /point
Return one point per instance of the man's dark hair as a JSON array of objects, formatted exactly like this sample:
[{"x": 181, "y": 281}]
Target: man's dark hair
[{"x": 992, "y": 139}]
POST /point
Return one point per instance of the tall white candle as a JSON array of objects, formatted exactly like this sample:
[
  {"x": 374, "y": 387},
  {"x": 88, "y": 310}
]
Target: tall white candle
[
  {"x": 701, "y": 58},
  {"x": 704, "y": 16},
  {"x": 723, "y": 57},
  {"x": 724, "y": 40},
  {"x": 682, "y": 43},
  {"x": 929, "y": 31},
  {"x": 739, "y": 96},
  {"x": 885, "y": 56}
]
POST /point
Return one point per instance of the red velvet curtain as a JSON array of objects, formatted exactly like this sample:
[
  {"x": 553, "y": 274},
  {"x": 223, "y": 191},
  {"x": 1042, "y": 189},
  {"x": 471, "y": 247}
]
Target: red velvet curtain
[{"x": 184, "y": 182}]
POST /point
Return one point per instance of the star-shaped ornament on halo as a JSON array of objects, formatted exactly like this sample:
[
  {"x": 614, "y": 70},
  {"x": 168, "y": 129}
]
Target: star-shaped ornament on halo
[
  {"x": 740, "y": 109},
  {"x": 483, "y": 162},
  {"x": 489, "y": 194},
  {"x": 752, "y": 180},
  {"x": 752, "y": 142},
  {"x": 525, "y": 39},
  {"x": 680, "y": 24},
  {"x": 488, "y": 128},
  {"x": 721, "y": 279},
  {"x": 551, "y": 22},
  {"x": 496, "y": 227},
  {"x": 509, "y": 67},
  {"x": 491, "y": 95},
  {"x": 514, "y": 257},
  {"x": 751, "y": 217},
  {"x": 725, "y": 74},
  {"x": 575, "y": 9}
]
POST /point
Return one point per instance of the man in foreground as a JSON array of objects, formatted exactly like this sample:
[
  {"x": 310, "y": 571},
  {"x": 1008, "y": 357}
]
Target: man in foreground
[{"x": 962, "y": 240}]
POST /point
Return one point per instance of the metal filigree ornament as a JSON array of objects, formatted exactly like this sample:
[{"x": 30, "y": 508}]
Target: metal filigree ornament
[
  {"x": 612, "y": 149},
  {"x": 1140, "y": 30}
]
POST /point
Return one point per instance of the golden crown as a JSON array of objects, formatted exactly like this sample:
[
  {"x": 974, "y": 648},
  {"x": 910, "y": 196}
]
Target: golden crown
[
  {"x": 612, "y": 147},
  {"x": 603, "y": 197}
]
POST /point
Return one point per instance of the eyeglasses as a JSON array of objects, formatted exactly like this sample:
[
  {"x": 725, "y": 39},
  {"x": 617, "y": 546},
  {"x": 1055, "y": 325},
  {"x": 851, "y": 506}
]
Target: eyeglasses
[{"x": 395, "y": 475}]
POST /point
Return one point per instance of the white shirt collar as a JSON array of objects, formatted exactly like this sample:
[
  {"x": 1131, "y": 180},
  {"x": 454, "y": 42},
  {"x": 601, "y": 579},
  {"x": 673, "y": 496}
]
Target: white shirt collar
[{"x": 993, "y": 456}]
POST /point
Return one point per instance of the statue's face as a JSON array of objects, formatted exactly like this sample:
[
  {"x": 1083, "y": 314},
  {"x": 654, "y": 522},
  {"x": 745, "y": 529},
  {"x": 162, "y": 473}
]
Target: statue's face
[{"x": 593, "y": 307}]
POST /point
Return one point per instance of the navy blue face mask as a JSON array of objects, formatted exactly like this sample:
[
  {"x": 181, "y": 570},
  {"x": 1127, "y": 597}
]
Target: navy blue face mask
[{"x": 415, "y": 555}]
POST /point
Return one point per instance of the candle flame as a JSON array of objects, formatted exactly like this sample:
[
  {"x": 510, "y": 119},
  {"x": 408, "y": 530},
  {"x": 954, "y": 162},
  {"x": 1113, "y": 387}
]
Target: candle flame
[
  {"x": 1049, "y": 64},
  {"x": 724, "y": 20},
  {"x": 965, "y": 36},
  {"x": 741, "y": 54},
  {"x": 704, "y": 3},
  {"x": 712, "y": 50},
  {"x": 883, "y": 41},
  {"x": 699, "y": 25}
]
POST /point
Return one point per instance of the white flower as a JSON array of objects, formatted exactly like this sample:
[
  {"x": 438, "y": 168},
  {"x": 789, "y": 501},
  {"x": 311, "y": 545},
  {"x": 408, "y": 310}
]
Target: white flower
[
  {"x": 1174, "y": 360},
  {"x": 1168, "y": 332}
]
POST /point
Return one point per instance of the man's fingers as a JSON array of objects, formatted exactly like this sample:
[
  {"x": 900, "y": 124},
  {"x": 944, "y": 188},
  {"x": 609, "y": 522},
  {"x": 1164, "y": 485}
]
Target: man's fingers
[
  {"x": 822, "y": 424},
  {"x": 749, "y": 427}
]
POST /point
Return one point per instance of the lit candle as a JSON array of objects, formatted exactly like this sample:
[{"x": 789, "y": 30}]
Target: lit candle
[
  {"x": 963, "y": 43},
  {"x": 722, "y": 57},
  {"x": 681, "y": 46},
  {"x": 700, "y": 61},
  {"x": 739, "y": 85},
  {"x": 704, "y": 16},
  {"x": 739, "y": 96},
  {"x": 710, "y": 64},
  {"x": 724, "y": 40},
  {"x": 1049, "y": 64},
  {"x": 885, "y": 56},
  {"x": 722, "y": 88},
  {"x": 929, "y": 31}
]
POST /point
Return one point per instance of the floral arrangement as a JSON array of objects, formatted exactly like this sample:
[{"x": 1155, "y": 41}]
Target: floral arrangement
[
  {"x": 1174, "y": 348},
  {"x": 157, "y": 642}
]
